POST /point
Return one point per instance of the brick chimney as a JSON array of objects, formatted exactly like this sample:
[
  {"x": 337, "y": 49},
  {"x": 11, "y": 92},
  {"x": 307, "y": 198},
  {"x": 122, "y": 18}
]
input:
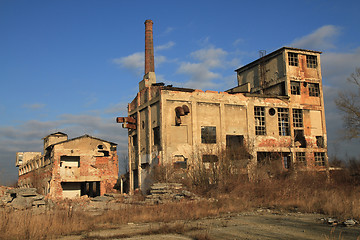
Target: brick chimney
[
  {"x": 149, "y": 77},
  {"x": 149, "y": 47}
]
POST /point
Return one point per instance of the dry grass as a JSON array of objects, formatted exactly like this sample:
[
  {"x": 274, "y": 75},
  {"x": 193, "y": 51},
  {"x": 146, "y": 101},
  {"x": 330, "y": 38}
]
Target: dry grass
[{"x": 305, "y": 192}]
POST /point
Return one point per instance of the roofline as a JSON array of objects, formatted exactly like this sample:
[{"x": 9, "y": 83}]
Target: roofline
[
  {"x": 272, "y": 54},
  {"x": 55, "y": 134},
  {"x": 86, "y": 135}
]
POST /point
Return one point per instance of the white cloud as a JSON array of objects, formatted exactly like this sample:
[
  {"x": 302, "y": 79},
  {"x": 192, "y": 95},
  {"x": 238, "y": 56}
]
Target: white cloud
[
  {"x": 200, "y": 75},
  {"x": 321, "y": 39},
  {"x": 211, "y": 57},
  {"x": 337, "y": 66},
  {"x": 133, "y": 62},
  {"x": 165, "y": 46}
]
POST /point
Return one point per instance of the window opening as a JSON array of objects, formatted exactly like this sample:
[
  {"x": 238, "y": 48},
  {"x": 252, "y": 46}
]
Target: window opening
[
  {"x": 209, "y": 158},
  {"x": 208, "y": 134},
  {"x": 293, "y": 59},
  {"x": 311, "y": 61},
  {"x": 314, "y": 90},
  {"x": 295, "y": 88},
  {"x": 298, "y": 118},
  {"x": 156, "y": 131},
  {"x": 300, "y": 158},
  {"x": 319, "y": 158},
  {"x": 283, "y": 121},
  {"x": 69, "y": 161},
  {"x": 299, "y": 138},
  {"x": 260, "y": 128},
  {"x": 320, "y": 141},
  {"x": 272, "y": 111},
  {"x": 287, "y": 161}
]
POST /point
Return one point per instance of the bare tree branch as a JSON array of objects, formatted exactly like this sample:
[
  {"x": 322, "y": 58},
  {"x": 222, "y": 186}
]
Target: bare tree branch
[{"x": 348, "y": 102}]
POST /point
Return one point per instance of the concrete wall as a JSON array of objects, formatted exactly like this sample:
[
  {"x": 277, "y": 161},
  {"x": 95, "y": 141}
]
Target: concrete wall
[
  {"x": 72, "y": 164},
  {"x": 232, "y": 116}
]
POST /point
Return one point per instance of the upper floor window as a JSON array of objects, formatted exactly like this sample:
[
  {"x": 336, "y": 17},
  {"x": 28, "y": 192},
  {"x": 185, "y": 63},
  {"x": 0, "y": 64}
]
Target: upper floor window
[
  {"x": 295, "y": 88},
  {"x": 259, "y": 113},
  {"x": 311, "y": 61},
  {"x": 208, "y": 134},
  {"x": 298, "y": 118},
  {"x": 283, "y": 121},
  {"x": 314, "y": 90},
  {"x": 293, "y": 59}
]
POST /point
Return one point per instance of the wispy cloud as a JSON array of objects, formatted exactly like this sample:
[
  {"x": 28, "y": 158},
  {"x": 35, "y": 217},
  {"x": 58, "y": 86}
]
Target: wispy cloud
[
  {"x": 34, "y": 106},
  {"x": 321, "y": 39},
  {"x": 165, "y": 46}
]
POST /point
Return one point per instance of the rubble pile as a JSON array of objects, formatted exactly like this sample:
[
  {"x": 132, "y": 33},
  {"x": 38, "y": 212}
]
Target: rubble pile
[
  {"x": 22, "y": 198},
  {"x": 167, "y": 192}
]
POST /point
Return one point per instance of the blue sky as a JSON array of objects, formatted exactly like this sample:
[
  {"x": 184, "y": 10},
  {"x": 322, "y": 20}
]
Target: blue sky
[{"x": 73, "y": 66}]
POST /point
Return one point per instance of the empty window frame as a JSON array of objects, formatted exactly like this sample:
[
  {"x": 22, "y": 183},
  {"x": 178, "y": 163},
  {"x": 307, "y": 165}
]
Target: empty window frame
[
  {"x": 209, "y": 158},
  {"x": 70, "y": 161},
  {"x": 293, "y": 59},
  {"x": 314, "y": 90},
  {"x": 259, "y": 113},
  {"x": 156, "y": 135},
  {"x": 311, "y": 61},
  {"x": 298, "y": 118},
  {"x": 319, "y": 158},
  {"x": 208, "y": 134},
  {"x": 320, "y": 143},
  {"x": 283, "y": 121},
  {"x": 295, "y": 88},
  {"x": 300, "y": 158}
]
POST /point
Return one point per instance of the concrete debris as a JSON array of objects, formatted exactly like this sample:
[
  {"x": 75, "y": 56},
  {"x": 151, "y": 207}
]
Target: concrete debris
[
  {"x": 22, "y": 198},
  {"x": 335, "y": 222},
  {"x": 167, "y": 192},
  {"x": 102, "y": 198},
  {"x": 350, "y": 222}
]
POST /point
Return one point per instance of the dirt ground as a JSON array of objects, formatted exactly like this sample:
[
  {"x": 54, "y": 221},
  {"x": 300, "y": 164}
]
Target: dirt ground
[{"x": 260, "y": 224}]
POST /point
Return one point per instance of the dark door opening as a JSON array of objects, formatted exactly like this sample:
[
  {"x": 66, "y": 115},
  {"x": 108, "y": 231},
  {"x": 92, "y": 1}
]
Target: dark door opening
[{"x": 92, "y": 189}]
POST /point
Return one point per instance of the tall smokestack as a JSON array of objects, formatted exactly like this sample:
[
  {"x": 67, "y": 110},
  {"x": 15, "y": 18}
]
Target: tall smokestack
[{"x": 149, "y": 47}]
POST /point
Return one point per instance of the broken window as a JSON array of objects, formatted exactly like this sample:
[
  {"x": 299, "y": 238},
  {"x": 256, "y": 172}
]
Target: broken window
[
  {"x": 293, "y": 59},
  {"x": 234, "y": 142},
  {"x": 298, "y": 118},
  {"x": 311, "y": 61},
  {"x": 299, "y": 138},
  {"x": 69, "y": 161},
  {"x": 295, "y": 88},
  {"x": 208, "y": 134},
  {"x": 314, "y": 90},
  {"x": 319, "y": 158},
  {"x": 320, "y": 141},
  {"x": 259, "y": 113},
  {"x": 283, "y": 121},
  {"x": 209, "y": 158},
  {"x": 300, "y": 158},
  {"x": 287, "y": 161},
  {"x": 180, "y": 162},
  {"x": 156, "y": 131}
]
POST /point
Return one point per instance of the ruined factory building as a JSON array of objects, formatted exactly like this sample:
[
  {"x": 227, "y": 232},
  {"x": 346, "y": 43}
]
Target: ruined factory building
[
  {"x": 275, "y": 113},
  {"x": 70, "y": 168}
]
